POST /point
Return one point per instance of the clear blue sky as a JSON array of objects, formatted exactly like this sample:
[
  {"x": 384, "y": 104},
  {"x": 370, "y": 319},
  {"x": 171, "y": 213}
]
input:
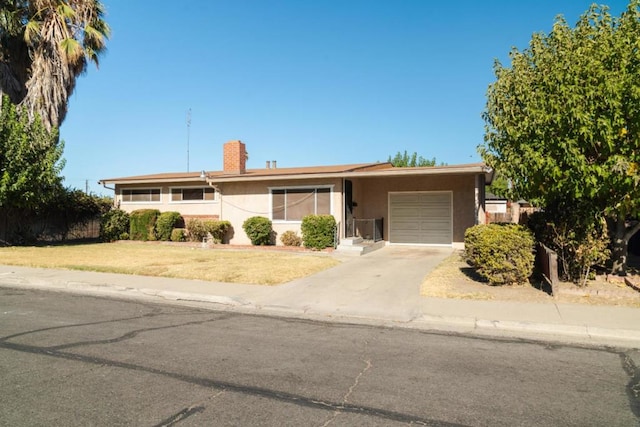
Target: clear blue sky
[{"x": 303, "y": 82}]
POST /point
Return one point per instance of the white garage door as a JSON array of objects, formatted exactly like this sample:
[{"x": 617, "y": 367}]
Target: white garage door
[{"x": 420, "y": 218}]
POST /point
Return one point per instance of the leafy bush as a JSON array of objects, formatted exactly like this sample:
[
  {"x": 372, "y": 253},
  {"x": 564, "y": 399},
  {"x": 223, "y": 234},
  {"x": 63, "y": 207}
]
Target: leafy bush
[
  {"x": 196, "y": 230},
  {"x": 217, "y": 229},
  {"x": 501, "y": 253},
  {"x": 259, "y": 230},
  {"x": 581, "y": 242},
  {"x": 114, "y": 225},
  {"x": 165, "y": 224},
  {"x": 178, "y": 235},
  {"x": 318, "y": 231},
  {"x": 290, "y": 238},
  {"x": 142, "y": 224}
]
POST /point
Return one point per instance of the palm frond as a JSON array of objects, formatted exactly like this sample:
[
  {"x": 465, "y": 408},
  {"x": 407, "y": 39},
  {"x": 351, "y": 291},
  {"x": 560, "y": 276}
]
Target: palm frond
[
  {"x": 72, "y": 49},
  {"x": 32, "y": 31}
]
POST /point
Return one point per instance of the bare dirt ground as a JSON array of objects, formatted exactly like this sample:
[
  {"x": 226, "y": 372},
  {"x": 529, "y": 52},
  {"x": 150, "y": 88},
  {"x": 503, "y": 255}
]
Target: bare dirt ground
[{"x": 454, "y": 278}]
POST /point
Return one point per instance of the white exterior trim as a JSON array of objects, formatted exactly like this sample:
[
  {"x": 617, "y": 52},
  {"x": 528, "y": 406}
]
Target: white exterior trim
[
  {"x": 299, "y": 187},
  {"x": 121, "y": 200},
  {"x": 216, "y": 195}
]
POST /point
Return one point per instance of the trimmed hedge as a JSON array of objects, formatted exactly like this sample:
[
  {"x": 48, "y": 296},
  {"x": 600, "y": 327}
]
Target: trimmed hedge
[
  {"x": 142, "y": 224},
  {"x": 318, "y": 231},
  {"x": 114, "y": 225},
  {"x": 165, "y": 224},
  {"x": 259, "y": 230},
  {"x": 500, "y": 253},
  {"x": 196, "y": 230},
  {"x": 290, "y": 238},
  {"x": 199, "y": 230},
  {"x": 217, "y": 229},
  {"x": 178, "y": 235}
]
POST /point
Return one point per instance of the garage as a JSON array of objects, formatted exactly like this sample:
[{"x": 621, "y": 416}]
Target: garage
[{"x": 420, "y": 218}]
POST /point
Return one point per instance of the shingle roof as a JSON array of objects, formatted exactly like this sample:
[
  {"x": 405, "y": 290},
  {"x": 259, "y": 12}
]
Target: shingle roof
[{"x": 361, "y": 169}]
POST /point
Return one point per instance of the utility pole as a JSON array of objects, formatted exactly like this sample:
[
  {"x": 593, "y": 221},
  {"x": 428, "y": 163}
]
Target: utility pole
[{"x": 188, "y": 135}]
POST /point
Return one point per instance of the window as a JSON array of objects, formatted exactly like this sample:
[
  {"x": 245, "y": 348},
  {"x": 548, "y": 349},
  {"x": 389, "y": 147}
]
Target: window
[
  {"x": 141, "y": 195},
  {"x": 292, "y": 204},
  {"x": 206, "y": 194}
]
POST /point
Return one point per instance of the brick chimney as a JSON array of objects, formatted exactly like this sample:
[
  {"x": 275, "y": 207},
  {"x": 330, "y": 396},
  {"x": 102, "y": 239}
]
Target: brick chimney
[{"x": 235, "y": 158}]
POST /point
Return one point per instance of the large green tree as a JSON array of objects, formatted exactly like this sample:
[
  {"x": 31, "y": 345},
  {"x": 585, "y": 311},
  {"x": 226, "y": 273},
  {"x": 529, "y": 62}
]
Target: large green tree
[
  {"x": 406, "y": 160},
  {"x": 563, "y": 120},
  {"x": 30, "y": 161},
  {"x": 44, "y": 46}
]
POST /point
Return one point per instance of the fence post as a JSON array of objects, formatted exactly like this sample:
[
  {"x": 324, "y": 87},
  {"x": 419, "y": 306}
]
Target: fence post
[{"x": 548, "y": 265}]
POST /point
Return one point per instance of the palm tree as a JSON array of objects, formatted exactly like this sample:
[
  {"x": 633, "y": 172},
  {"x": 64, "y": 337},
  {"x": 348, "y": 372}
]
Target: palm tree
[
  {"x": 14, "y": 53},
  {"x": 61, "y": 37}
]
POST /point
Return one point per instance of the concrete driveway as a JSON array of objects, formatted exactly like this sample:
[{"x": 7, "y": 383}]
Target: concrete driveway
[{"x": 384, "y": 283}]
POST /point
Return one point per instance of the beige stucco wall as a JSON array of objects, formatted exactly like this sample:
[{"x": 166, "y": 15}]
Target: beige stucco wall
[
  {"x": 237, "y": 201},
  {"x": 372, "y": 197},
  {"x": 243, "y": 200}
]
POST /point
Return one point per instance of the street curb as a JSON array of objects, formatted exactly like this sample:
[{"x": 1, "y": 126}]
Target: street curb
[
  {"x": 582, "y": 334},
  {"x": 183, "y": 296}
]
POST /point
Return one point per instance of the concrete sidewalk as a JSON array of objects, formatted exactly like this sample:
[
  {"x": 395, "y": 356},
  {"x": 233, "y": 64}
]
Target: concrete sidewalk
[{"x": 381, "y": 288}]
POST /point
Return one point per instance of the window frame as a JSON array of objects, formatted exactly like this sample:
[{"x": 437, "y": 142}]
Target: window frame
[
  {"x": 149, "y": 189},
  {"x": 330, "y": 187},
  {"x": 192, "y": 187}
]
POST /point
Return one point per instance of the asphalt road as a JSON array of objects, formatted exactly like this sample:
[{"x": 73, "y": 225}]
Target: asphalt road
[{"x": 71, "y": 360}]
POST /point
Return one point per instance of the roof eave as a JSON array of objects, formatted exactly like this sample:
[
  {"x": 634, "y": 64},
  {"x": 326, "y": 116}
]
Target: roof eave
[
  {"x": 390, "y": 172},
  {"x": 150, "y": 180},
  {"x": 395, "y": 172}
]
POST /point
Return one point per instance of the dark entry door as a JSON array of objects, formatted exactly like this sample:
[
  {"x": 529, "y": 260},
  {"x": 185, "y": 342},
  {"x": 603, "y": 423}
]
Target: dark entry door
[{"x": 348, "y": 208}]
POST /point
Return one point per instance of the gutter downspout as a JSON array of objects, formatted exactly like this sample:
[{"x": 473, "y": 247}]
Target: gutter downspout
[
  {"x": 116, "y": 204},
  {"x": 105, "y": 186},
  {"x": 217, "y": 190}
]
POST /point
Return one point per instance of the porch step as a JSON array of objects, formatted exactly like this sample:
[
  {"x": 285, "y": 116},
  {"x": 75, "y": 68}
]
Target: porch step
[
  {"x": 351, "y": 241},
  {"x": 360, "y": 248}
]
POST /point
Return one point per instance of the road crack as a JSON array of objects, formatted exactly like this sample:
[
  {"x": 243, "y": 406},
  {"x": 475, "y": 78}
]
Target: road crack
[
  {"x": 368, "y": 365},
  {"x": 345, "y": 399},
  {"x": 275, "y": 395},
  {"x": 180, "y": 416},
  {"x": 153, "y": 313},
  {"x": 132, "y": 334}
]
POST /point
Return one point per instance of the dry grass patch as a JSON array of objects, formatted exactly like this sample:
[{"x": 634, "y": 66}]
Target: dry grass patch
[
  {"x": 454, "y": 278},
  {"x": 232, "y": 266},
  {"x": 448, "y": 280}
]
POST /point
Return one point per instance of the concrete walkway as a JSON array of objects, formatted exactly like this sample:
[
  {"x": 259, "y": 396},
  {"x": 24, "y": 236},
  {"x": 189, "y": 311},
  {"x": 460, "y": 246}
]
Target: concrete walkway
[{"x": 380, "y": 288}]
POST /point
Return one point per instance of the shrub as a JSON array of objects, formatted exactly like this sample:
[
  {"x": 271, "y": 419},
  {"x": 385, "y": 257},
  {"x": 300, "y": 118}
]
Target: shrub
[
  {"x": 501, "y": 253},
  {"x": 196, "y": 230},
  {"x": 166, "y": 222},
  {"x": 290, "y": 238},
  {"x": 318, "y": 231},
  {"x": 217, "y": 229},
  {"x": 581, "y": 243},
  {"x": 114, "y": 225},
  {"x": 178, "y": 235},
  {"x": 142, "y": 223},
  {"x": 258, "y": 230}
]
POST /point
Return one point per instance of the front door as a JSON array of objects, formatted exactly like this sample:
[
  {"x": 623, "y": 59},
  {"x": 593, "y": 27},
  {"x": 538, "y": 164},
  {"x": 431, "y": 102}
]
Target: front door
[{"x": 348, "y": 209}]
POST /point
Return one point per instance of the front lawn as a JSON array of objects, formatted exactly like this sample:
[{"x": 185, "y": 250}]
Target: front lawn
[{"x": 187, "y": 262}]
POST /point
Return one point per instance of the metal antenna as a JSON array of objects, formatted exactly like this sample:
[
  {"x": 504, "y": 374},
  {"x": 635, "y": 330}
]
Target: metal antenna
[{"x": 188, "y": 135}]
